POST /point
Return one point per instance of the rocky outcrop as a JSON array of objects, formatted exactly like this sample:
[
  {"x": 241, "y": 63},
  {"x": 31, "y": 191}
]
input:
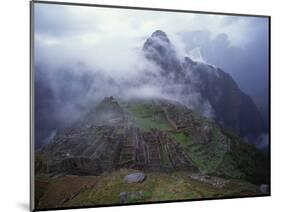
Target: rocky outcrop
[
  {"x": 134, "y": 149},
  {"x": 135, "y": 177},
  {"x": 233, "y": 109},
  {"x": 186, "y": 121},
  {"x": 76, "y": 166},
  {"x": 215, "y": 181},
  {"x": 205, "y": 88},
  {"x": 102, "y": 146}
]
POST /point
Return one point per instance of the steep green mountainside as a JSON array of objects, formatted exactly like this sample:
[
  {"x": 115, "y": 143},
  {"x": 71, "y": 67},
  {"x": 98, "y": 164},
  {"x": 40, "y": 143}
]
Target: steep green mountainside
[
  {"x": 150, "y": 135},
  {"x": 183, "y": 155}
]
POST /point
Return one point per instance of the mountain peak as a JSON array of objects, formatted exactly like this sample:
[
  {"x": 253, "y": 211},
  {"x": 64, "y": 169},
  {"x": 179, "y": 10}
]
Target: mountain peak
[
  {"x": 159, "y": 50},
  {"x": 159, "y": 34},
  {"x": 157, "y": 39}
]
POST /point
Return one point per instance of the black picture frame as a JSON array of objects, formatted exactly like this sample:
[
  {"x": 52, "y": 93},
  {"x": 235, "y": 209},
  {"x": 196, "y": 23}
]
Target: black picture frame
[{"x": 32, "y": 106}]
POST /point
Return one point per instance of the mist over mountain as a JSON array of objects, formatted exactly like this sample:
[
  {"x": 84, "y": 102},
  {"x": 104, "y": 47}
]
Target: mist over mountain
[
  {"x": 64, "y": 94},
  {"x": 149, "y": 135},
  {"x": 205, "y": 88},
  {"x": 160, "y": 139},
  {"x": 245, "y": 63},
  {"x": 136, "y": 106}
]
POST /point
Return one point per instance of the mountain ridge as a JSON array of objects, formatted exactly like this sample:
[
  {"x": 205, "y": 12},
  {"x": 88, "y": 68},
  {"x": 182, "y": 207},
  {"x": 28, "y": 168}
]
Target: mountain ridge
[
  {"x": 205, "y": 89},
  {"x": 150, "y": 135},
  {"x": 228, "y": 104}
]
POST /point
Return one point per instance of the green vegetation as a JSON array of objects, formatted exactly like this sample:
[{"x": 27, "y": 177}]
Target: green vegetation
[
  {"x": 108, "y": 189},
  {"x": 242, "y": 158},
  {"x": 120, "y": 131},
  {"x": 213, "y": 151},
  {"x": 41, "y": 185},
  {"x": 164, "y": 157},
  {"x": 216, "y": 157},
  {"x": 156, "y": 187},
  {"x": 206, "y": 156},
  {"x": 147, "y": 116},
  {"x": 181, "y": 138}
]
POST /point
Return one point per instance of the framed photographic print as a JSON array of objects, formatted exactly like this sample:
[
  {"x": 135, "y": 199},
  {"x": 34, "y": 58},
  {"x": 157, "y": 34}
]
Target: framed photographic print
[{"x": 143, "y": 105}]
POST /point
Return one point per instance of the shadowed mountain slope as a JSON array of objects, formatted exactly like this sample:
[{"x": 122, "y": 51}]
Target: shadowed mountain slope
[{"x": 215, "y": 92}]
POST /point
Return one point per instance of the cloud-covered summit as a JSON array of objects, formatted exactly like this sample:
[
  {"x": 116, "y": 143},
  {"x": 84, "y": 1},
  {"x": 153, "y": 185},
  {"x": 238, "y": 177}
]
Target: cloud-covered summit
[{"x": 82, "y": 55}]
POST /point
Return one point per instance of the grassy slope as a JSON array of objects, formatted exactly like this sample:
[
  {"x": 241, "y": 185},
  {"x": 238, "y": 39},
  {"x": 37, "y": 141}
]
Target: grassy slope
[
  {"x": 156, "y": 187},
  {"x": 228, "y": 158},
  {"x": 142, "y": 116},
  {"x": 205, "y": 156},
  {"x": 214, "y": 157}
]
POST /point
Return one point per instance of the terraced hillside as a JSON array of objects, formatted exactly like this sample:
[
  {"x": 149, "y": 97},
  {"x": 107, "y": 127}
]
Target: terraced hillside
[{"x": 161, "y": 138}]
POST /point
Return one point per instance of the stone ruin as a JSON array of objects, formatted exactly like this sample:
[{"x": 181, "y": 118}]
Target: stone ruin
[
  {"x": 107, "y": 145},
  {"x": 101, "y": 149}
]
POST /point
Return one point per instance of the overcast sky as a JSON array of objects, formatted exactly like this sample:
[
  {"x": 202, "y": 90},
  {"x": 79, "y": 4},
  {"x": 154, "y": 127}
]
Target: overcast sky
[
  {"x": 70, "y": 40},
  {"x": 111, "y": 38}
]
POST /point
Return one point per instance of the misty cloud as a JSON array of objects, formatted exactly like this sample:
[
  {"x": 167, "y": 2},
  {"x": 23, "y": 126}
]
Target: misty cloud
[
  {"x": 83, "y": 54},
  {"x": 246, "y": 62}
]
